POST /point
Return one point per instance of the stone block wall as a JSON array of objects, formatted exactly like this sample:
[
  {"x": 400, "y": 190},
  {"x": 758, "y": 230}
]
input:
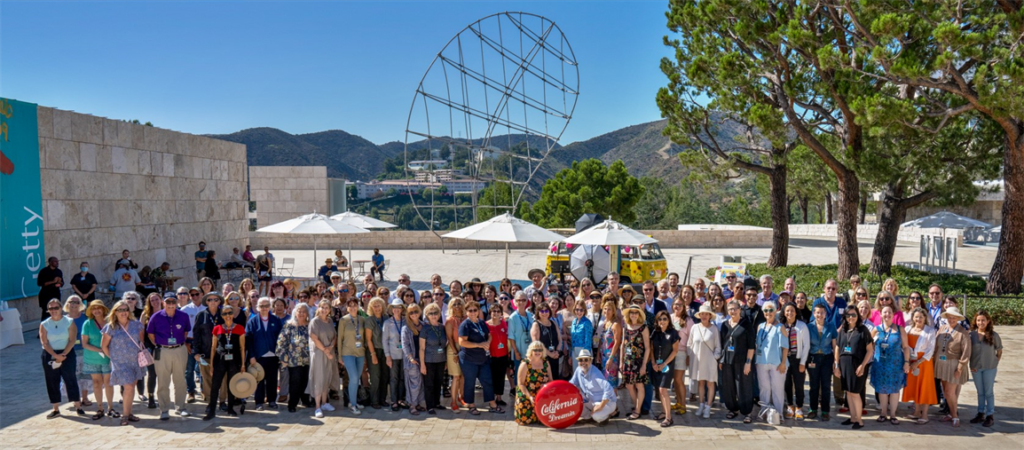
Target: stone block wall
[
  {"x": 287, "y": 192},
  {"x": 109, "y": 185}
]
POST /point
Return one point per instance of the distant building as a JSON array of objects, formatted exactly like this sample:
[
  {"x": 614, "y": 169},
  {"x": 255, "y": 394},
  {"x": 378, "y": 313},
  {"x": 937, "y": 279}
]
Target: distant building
[
  {"x": 428, "y": 164},
  {"x": 987, "y": 206},
  {"x": 454, "y": 186}
]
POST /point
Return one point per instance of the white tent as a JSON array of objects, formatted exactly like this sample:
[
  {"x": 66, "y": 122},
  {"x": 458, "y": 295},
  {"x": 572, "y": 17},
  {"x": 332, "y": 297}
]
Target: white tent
[
  {"x": 505, "y": 228},
  {"x": 946, "y": 219},
  {"x": 314, "y": 224}
]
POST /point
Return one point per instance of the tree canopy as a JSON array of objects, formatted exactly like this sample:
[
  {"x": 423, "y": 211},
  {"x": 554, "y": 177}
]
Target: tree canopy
[{"x": 589, "y": 186}]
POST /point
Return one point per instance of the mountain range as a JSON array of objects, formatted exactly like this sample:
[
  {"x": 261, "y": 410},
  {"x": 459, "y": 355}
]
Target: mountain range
[{"x": 644, "y": 150}]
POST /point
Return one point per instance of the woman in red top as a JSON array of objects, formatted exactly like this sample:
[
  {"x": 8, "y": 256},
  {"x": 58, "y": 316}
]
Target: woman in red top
[
  {"x": 499, "y": 351},
  {"x": 228, "y": 358}
]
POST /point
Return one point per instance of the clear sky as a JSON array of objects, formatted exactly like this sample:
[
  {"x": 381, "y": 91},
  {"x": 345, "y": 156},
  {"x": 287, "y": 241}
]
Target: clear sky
[{"x": 219, "y": 67}]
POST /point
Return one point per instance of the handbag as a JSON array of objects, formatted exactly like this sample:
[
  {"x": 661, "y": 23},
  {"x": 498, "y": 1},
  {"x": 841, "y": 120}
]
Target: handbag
[{"x": 145, "y": 359}]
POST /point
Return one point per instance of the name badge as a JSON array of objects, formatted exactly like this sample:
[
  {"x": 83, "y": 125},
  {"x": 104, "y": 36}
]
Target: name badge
[
  {"x": 229, "y": 357},
  {"x": 552, "y": 348},
  {"x": 811, "y": 365},
  {"x": 885, "y": 346},
  {"x": 942, "y": 358},
  {"x": 501, "y": 345},
  {"x": 731, "y": 348},
  {"x": 172, "y": 341},
  {"x": 847, "y": 349},
  {"x": 629, "y": 352},
  {"x": 440, "y": 350},
  {"x": 359, "y": 344},
  {"x": 399, "y": 346}
]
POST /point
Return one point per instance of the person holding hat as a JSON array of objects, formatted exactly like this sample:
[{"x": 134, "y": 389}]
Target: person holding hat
[
  {"x": 262, "y": 331},
  {"x": 227, "y": 348},
  {"x": 327, "y": 270},
  {"x": 293, "y": 352},
  {"x": 636, "y": 351},
  {"x": 705, "y": 345},
  {"x": 599, "y": 400},
  {"x": 952, "y": 360}
]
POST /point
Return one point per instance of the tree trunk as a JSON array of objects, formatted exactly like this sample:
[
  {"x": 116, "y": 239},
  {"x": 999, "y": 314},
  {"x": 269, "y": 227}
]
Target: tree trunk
[
  {"x": 892, "y": 212},
  {"x": 1008, "y": 267},
  {"x": 846, "y": 225},
  {"x": 803, "y": 208},
  {"x": 863, "y": 207},
  {"x": 779, "y": 256},
  {"x": 828, "y": 208}
]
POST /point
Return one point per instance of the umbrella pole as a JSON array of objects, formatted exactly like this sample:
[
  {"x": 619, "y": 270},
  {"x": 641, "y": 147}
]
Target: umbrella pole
[
  {"x": 314, "y": 256},
  {"x": 506, "y": 260}
]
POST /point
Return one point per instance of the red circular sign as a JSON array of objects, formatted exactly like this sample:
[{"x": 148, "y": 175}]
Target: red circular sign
[{"x": 559, "y": 404}]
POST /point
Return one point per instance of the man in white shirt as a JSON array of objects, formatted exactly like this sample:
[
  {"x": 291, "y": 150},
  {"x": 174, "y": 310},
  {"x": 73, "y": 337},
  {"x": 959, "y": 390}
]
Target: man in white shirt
[
  {"x": 192, "y": 309},
  {"x": 599, "y": 400}
]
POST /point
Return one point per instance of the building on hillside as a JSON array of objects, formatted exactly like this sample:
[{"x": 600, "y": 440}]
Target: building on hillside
[
  {"x": 371, "y": 189},
  {"x": 428, "y": 164},
  {"x": 987, "y": 207}
]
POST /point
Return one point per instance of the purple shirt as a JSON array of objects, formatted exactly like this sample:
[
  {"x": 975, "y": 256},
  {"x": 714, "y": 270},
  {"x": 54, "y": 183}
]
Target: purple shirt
[
  {"x": 163, "y": 328},
  {"x": 772, "y": 298}
]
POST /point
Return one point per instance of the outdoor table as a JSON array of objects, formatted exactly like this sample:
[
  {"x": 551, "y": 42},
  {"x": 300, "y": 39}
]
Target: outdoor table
[{"x": 362, "y": 265}]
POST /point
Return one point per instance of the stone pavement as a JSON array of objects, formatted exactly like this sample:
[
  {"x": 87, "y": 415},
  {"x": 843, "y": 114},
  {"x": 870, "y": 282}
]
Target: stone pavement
[{"x": 23, "y": 407}]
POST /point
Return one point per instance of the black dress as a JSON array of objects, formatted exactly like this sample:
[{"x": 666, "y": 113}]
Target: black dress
[
  {"x": 550, "y": 337},
  {"x": 853, "y": 346},
  {"x": 661, "y": 349}
]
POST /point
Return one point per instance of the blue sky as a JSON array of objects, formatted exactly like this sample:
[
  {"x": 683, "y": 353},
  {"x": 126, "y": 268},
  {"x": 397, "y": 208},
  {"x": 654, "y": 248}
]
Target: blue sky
[{"x": 219, "y": 67}]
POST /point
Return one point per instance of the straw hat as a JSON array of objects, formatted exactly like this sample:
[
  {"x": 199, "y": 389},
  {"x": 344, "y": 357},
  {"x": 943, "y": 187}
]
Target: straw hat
[
  {"x": 627, "y": 311},
  {"x": 242, "y": 385},
  {"x": 705, "y": 309},
  {"x": 627, "y": 288},
  {"x": 256, "y": 370},
  {"x": 952, "y": 314},
  {"x": 584, "y": 354},
  {"x": 475, "y": 281}
]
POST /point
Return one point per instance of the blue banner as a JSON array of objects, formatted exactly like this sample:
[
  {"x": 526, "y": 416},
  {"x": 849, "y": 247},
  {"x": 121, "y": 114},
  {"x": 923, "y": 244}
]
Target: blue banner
[{"x": 22, "y": 252}]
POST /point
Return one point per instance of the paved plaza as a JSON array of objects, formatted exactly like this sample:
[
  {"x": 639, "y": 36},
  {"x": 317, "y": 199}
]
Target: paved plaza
[{"x": 23, "y": 403}]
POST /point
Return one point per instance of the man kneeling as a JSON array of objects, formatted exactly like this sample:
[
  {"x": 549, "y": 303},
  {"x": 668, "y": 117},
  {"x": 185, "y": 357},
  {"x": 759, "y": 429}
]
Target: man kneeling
[{"x": 598, "y": 395}]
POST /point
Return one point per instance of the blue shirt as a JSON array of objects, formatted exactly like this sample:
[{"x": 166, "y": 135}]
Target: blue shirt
[
  {"x": 770, "y": 343},
  {"x": 821, "y": 343},
  {"x": 582, "y": 333},
  {"x": 834, "y": 314},
  {"x": 378, "y": 260},
  {"x": 58, "y": 332},
  {"x": 519, "y": 331},
  {"x": 936, "y": 313},
  {"x": 475, "y": 332},
  {"x": 592, "y": 385},
  {"x": 200, "y": 265},
  {"x": 727, "y": 293}
]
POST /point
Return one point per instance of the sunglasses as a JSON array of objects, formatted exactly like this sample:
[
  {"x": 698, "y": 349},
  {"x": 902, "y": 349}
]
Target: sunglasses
[
  {"x": 53, "y": 308},
  {"x": 473, "y": 310},
  {"x": 648, "y": 290},
  {"x": 583, "y": 359},
  {"x": 861, "y": 294},
  {"x": 74, "y": 303},
  {"x": 580, "y": 310},
  {"x": 914, "y": 297},
  {"x": 121, "y": 310},
  {"x": 433, "y": 314},
  {"x": 192, "y": 295},
  {"x": 595, "y": 297},
  {"x": 439, "y": 294},
  {"x": 227, "y": 315},
  {"x": 543, "y": 311},
  {"x": 766, "y": 311},
  {"x": 662, "y": 320}
]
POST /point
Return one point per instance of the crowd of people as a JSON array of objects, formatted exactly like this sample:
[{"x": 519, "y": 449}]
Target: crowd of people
[{"x": 336, "y": 345}]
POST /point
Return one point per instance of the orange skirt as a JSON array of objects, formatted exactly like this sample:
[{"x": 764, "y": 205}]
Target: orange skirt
[{"x": 921, "y": 387}]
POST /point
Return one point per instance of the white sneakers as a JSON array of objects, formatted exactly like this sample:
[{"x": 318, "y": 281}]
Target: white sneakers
[
  {"x": 707, "y": 411},
  {"x": 183, "y": 413},
  {"x": 319, "y": 414},
  {"x": 355, "y": 410},
  {"x": 327, "y": 407}
]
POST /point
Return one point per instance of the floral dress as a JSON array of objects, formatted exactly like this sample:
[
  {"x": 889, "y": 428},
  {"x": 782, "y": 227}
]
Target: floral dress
[
  {"x": 124, "y": 354},
  {"x": 535, "y": 379},
  {"x": 887, "y": 376},
  {"x": 610, "y": 361},
  {"x": 634, "y": 356}
]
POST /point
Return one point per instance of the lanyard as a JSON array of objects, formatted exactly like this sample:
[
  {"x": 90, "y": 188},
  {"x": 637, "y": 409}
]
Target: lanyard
[
  {"x": 359, "y": 335},
  {"x": 399, "y": 327},
  {"x": 476, "y": 326},
  {"x": 525, "y": 321}
]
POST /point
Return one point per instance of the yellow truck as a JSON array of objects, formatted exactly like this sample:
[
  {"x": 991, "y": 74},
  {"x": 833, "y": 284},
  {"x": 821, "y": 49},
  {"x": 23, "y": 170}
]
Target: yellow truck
[{"x": 635, "y": 264}]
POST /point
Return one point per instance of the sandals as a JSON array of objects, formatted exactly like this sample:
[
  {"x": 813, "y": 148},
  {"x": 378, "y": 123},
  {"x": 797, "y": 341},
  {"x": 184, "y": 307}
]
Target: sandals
[
  {"x": 881, "y": 419},
  {"x": 921, "y": 421},
  {"x": 666, "y": 423},
  {"x": 497, "y": 409},
  {"x": 660, "y": 416},
  {"x": 86, "y": 403},
  {"x": 748, "y": 419},
  {"x": 132, "y": 418},
  {"x": 956, "y": 423},
  {"x": 946, "y": 418},
  {"x": 395, "y": 407},
  {"x": 474, "y": 411},
  {"x": 893, "y": 420},
  {"x": 99, "y": 414},
  {"x": 113, "y": 413},
  {"x": 731, "y": 415},
  {"x": 414, "y": 411},
  {"x": 632, "y": 416}
]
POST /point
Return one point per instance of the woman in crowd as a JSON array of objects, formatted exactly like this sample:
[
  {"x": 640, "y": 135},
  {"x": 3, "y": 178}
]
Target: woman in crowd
[
  {"x": 636, "y": 351},
  {"x": 893, "y": 288},
  {"x": 803, "y": 310},
  {"x": 262, "y": 332},
  {"x": 581, "y": 330},
  {"x": 293, "y": 352},
  {"x": 433, "y": 343},
  {"x": 890, "y": 364},
  {"x": 474, "y": 344},
  {"x": 611, "y": 339},
  {"x": 533, "y": 373},
  {"x": 353, "y": 343},
  {"x": 914, "y": 301},
  {"x": 883, "y": 299},
  {"x": 681, "y": 322},
  {"x": 234, "y": 299},
  {"x": 798, "y": 340},
  {"x": 920, "y": 388},
  {"x": 855, "y": 350},
  {"x": 627, "y": 293},
  {"x": 323, "y": 368},
  {"x": 545, "y": 331},
  {"x": 411, "y": 365},
  {"x": 664, "y": 349},
  {"x": 73, "y": 308},
  {"x": 206, "y": 286},
  {"x": 738, "y": 339},
  {"x": 586, "y": 288},
  {"x": 688, "y": 295},
  {"x": 281, "y": 311},
  {"x": 279, "y": 290},
  {"x": 498, "y": 328},
  {"x": 505, "y": 286},
  {"x": 821, "y": 359},
  {"x": 704, "y": 343},
  {"x": 860, "y": 294},
  {"x": 228, "y": 350},
  {"x": 244, "y": 287},
  {"x": 378, "y": 369},
  {"x": 122, "y": 342},
  {"x": 153, "y": 304},
  {"x": 713, "y": 290},
  {"x": 986, "y": 351},
  {"x": 772, "y": 356},
  {"x": 718, "y": 308},
  {"x": 456, "y": 314},
  {"x": 408, "y": 296},
  {"x": 953, "y": 356},
  {"x": 95, "y": 364},
  {"x": 490, "y": 299},
  {"x": 57, "y": 335},
  {"x": 250, "y": 307},
  {"x": 391, "y": 342}
]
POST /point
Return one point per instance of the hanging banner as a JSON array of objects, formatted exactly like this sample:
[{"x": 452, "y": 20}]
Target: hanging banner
[{"x": 22, "y": 253}]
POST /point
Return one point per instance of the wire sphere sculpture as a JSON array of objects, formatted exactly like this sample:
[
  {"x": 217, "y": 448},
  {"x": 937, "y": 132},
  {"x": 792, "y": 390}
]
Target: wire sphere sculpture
[{"x": 490, "y": 108}]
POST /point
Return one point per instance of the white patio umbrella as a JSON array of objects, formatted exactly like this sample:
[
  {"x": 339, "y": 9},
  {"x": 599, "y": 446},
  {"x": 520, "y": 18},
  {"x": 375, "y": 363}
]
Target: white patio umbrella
[
  {"x": 361, "y": 221},
  {"x": 505, "y": 228},
  {"x": 946, "y": 219},
  {"x": 314, "y": 224},
  {"x": 612, "y": 234}
]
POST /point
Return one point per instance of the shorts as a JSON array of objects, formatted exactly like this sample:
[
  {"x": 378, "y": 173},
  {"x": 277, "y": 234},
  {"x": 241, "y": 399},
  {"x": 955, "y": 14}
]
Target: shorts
[
  {"x": 454, "y": 369},
  {"x": 268, "y": 277},
  {"x": 96, "y": 369}
]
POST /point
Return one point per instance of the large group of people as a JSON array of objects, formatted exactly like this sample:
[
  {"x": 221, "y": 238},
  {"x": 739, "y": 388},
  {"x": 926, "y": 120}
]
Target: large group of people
[{"x": 749, "y": 354}]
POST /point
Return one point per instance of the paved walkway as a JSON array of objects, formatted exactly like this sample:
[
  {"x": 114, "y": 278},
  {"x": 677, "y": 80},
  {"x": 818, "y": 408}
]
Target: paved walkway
[{"x": 23, "y": 406}]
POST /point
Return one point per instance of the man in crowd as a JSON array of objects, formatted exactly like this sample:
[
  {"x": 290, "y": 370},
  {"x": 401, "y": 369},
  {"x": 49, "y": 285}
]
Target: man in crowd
[
  {"x": 404, "y": 280},
  {"x": 664, "y": 295},
  {"x": 200, "y": 257},
  {"x": 834, "y": 306},
  {"x": 168, "y": 329},
  {"x": 613, "y": 284},
  {"x": 651, "y": 308},
  {"x": 126, "y": 258},
  {"x": 326, "y": 270},
  {"x": 377, "y": 264},
  {"x": 192, "y": 308},
  {"x": 124, "y": 279},
  {"x": 537, "y": 276},
  {"x": 599, "y": 400},
  {"x": 766, "y": 294},
  {"x": 50, "y": 279},
  {"x": 730, "y": 280}
]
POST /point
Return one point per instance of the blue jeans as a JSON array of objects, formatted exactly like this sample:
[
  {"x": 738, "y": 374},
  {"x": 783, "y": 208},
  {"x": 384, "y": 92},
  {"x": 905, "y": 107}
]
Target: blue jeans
[
  {"x": 983, "y": 382},
  {"x": 473, "y": 372},
  {"x": 190, "y": 373},
  {"x": 354, "y": 367}
]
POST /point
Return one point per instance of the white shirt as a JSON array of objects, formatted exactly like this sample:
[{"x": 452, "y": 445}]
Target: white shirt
[{"x": 192, "y": 310}]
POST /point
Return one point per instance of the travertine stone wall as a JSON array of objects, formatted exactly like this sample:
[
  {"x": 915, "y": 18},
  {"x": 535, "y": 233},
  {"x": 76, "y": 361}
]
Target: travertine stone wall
[
  {"x": 109, "y": 185},
  {"x": 287, "y": 192}
]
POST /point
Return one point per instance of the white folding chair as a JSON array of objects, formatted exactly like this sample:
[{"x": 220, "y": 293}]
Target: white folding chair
[{"x": 287, "y": 264}]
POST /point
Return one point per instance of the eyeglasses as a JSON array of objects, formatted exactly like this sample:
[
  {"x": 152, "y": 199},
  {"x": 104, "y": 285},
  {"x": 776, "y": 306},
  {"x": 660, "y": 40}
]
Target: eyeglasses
[
  {"x": 74, "y": 302},
  {"x": 264, "y": 306},
  {"x": 227, "y": 314},
  {"x": 935, "y": 293},
  {"x": 306, "y": 296},
  {"x": 648, "y": 290},
  {"x": 184, "y": 293},
  {"x": 769, "y": 310},
  {"x": 194, "y": 295},
  {"x": 731, "y": 309},
  {"x": 131, "y": 298},
  {"x": 121, "y": 310},
  {"x": 595, "y": 297},
  {"x": 915, "y": 297},
  {"x": 433, "y": 314},
  {"x": 439, "y": 294},
  {"x": 861, "y": 294},
  {"x": 543, "y": 311},
  {"x": 662, "y": 320},
  {"x": 583, "y": 359},
  {"x": 53, "y": 308},
  {"x": 473, "y": 310}
]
